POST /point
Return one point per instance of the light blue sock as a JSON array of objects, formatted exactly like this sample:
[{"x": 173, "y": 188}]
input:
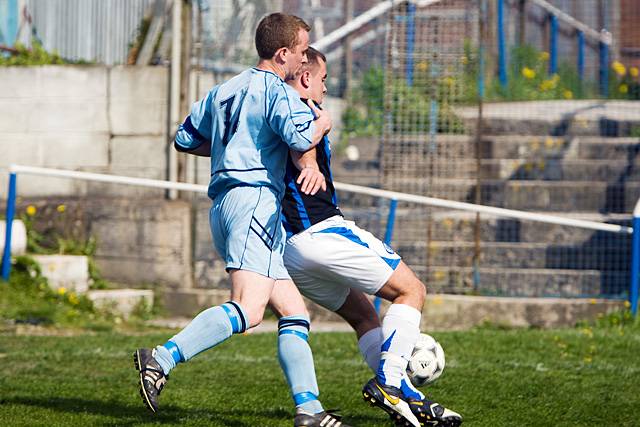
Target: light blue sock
[
  {"x": 296, "y": 361},
  {"x": 206, "y": 330}
]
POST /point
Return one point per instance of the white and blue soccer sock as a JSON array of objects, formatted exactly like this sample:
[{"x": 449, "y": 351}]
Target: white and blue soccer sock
[
  {"x": 400, "y": 332},
  {"x": 296, "y": 361},
  {"x": 206, "y": 330},
  {"x": 369, "y": 345}
]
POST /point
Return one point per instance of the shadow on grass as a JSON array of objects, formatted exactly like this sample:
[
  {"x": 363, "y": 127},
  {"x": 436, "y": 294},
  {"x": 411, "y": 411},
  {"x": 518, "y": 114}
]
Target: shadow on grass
[{"x": 129, "y": 415}]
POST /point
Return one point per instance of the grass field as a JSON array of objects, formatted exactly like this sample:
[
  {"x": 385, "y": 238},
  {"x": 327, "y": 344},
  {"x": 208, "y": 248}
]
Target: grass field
[{"x": 569, "y": 377}]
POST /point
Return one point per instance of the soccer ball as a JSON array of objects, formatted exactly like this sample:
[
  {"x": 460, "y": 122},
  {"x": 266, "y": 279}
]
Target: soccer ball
[{"x": 427, "y": 361}]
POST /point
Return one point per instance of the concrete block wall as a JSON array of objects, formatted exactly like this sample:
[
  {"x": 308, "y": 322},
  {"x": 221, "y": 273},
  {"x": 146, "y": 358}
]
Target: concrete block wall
[{"x": 87, "y": 118}]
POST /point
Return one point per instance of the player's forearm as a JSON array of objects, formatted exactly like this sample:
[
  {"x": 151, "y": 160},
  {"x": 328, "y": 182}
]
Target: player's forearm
[
  {"x": 203, "y": 150},
  {"x": 305, "y": 160}
]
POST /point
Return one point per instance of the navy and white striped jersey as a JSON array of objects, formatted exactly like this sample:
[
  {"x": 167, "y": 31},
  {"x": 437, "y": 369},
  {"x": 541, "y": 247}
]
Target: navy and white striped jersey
[
  {"x": 301, "y": 211},
  {"x": 246, "y": 119}
]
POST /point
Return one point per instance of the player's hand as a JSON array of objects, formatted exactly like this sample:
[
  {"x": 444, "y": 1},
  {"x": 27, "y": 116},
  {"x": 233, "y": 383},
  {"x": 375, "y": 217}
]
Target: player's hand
[
  {"x": 311, "y": 181},
  {"x": 322, "y": 118}
]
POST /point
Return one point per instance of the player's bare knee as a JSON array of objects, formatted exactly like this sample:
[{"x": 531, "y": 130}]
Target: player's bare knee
[{"x": 415, "y": 291}]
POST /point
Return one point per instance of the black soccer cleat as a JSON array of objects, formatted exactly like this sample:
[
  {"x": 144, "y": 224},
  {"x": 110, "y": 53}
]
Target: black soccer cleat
[
  {"x": 407, "y": 412},
  {"x": 152, "y": 378},
  {"x": 323, "y": 419},
  {"x": 390, "y": 400},
  {"x": 430, "y": 413}
]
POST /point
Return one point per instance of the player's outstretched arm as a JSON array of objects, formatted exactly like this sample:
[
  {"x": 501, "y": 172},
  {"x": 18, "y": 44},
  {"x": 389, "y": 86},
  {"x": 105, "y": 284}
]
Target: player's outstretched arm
[
  {"x": 310, "y": 178},
  {"x": 294, "y": 121},
  {"x": 194, "y": 134}
]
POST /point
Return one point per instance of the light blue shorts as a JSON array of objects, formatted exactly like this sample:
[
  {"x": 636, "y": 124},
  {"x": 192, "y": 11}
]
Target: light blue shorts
[{"x": 247, "y": 230}]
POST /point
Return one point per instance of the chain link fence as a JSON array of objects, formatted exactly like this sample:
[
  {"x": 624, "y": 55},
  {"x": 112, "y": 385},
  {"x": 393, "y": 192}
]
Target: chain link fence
[{"x": 527, "y": 105}]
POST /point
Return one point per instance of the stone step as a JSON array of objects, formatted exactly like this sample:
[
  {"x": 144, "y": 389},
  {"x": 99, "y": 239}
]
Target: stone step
[
  {"x": 524, "y": 282},
  {"x": 418, "y": 150},
  {"x": 18, "y": 237},
  {"x": 544, "y": 168},
  {"x": 451, "y": 312},
  {"x": 579, "y": 117},
  {"x": 548, "y": 196},
  {"x": 122, "y": 301},
  {"x": 609, "y": 171},
  {"x": 549, "y": 147},
  {"x": 602, "y": 256},
  {"x": 70, "y": 272},
  {"x": 417, "y": 224}
]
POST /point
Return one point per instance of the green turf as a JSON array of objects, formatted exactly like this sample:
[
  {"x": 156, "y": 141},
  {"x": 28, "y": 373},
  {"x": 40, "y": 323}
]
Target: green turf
[{"x": 570, "y": 377}]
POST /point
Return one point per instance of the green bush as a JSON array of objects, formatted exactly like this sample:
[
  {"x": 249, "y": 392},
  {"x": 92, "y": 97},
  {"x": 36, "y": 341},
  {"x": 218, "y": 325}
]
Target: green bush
[
  {"x": 410, "y": 105},
  {"x": 56, "y": 238},
  {"x": 28, "y": 298},
  {"x": 37, "y": 55}
]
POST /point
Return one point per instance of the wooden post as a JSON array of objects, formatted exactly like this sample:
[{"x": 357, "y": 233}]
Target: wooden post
[
  {"x": 522, "y": 22},
  {"x": 348, "y": 54}
]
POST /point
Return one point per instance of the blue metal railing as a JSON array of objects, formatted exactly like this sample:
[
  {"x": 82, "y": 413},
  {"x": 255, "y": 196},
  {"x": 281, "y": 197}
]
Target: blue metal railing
[
  {"x": 604, "y": 70},
  {"x": 392, "y": 196},
  {"x": 10, "y": 214},
  {"x": 634, "y": 285},
  {"x": 502, "y": 48},
  {"x": 553, "y": 44},
  {"x": 581, "y": 31},
  {"x": 410, "y": 36}
]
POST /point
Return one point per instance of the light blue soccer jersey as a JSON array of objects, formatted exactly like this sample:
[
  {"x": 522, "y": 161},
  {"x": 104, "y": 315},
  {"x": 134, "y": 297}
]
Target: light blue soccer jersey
[{"x": 247, "y": 119}]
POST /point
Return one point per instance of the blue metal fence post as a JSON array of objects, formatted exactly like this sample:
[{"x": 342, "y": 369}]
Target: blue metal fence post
[
  {"x": 604, "y": 70},
  {"x": 581, "y": 55},
  {"x": 635, "y": 261},
  {"x": 11, "y": 210},
  {"x": 502, "y": 54},
  {"x": 388, "y": 237},
  {"x": 410, "y": 40},
  {"x": 553, "y": 45}
]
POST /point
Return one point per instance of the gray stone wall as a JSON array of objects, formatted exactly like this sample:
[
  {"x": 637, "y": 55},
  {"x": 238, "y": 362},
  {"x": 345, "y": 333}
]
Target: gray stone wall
[{"x": 85, "y": 118}]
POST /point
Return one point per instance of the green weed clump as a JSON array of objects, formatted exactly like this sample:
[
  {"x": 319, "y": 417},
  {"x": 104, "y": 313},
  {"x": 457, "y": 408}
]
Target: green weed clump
[
  {"x": 36, "y": 55},
  {"x": 27, "y": 298}
]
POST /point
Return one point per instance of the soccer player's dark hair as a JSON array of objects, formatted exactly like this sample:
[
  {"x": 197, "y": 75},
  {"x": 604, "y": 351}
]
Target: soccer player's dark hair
[
  {"x": 313, "y": 59},
  {"x": 276, "y": 31}
]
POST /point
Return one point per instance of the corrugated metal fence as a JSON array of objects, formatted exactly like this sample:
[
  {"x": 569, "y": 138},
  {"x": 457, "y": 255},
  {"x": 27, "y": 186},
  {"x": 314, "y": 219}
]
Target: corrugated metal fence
[{"x": 93, "y": 30}]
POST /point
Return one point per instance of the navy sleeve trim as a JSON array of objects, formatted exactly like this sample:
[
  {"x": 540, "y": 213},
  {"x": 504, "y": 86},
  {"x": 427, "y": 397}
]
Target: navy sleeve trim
[
  {"x": 191, "y": 130},
  {"x": 239, "y": 170}
]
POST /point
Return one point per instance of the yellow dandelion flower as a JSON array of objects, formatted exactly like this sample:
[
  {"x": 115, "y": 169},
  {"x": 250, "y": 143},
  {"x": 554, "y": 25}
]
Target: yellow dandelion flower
[
  {"x": 619, "y": 68},
  {"x": 634, "y": 71},
  {"x": 62, "y": 291},
  {"x": 567, "y": 94},
  {"x": 547, "y": 85},
  {"x": 627, "y": 304},
  {"x": 73, "y": 298},
  {"x": 544, "y": 56},
  {"x": 422, "y": 66},
  {"x": 449, "y": 81},
  {"x": 61, "y": 208},
  {"x": 528, "y": 73},
  {"x": 31, "y": 210},
  {"x": 623, "y": 88}
]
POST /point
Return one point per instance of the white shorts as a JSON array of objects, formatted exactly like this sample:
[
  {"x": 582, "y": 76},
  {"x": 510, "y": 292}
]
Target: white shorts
[{"x": 330, "y": 257}]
